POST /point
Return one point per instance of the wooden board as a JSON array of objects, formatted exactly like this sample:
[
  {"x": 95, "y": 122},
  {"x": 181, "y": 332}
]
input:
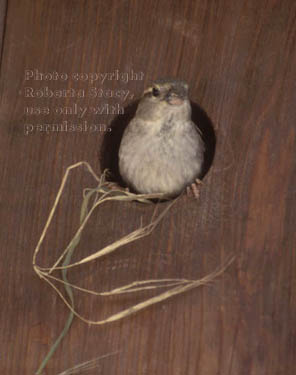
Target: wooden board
[{"x": 239, "y": 58}]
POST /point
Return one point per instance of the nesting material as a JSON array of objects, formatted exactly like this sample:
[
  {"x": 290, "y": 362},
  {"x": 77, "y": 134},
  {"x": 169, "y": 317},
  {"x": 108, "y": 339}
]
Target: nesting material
[
  {"x": 93, "y": 198},
  {"x": 87, "y": 365}
]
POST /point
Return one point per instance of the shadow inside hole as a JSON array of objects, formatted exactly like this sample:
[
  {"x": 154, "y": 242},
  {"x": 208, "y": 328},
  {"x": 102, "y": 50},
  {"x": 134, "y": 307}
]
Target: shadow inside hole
[
  {"x": 202, "y": 120},
  {"x": 112, "y": 139}
]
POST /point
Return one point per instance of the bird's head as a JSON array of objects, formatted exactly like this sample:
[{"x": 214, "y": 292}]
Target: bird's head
[{"x": 165, "y": 97}]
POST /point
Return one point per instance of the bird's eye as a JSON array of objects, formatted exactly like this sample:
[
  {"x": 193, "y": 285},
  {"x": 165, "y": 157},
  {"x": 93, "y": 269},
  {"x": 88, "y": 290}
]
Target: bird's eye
[{"x": 155, "y": 91}]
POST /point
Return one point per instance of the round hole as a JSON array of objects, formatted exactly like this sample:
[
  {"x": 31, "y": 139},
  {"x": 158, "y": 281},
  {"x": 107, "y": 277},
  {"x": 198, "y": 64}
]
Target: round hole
[{"x": 112, "y": 139}]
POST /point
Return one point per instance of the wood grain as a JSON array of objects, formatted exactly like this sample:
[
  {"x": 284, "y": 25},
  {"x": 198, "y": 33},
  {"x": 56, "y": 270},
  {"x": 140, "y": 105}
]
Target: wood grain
[
  {"x": 239, "y": 58},
  {"x": 3, "y": 9}
]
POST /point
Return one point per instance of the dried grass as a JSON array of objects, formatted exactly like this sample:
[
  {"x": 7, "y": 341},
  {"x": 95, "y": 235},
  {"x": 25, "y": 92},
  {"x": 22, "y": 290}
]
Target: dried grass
[{"x": 92, "y": 199}]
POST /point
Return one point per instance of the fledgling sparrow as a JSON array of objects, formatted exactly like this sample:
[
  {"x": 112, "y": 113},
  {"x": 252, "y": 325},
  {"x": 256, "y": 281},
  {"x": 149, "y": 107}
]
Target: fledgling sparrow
[{"x": 161, "y": 150}]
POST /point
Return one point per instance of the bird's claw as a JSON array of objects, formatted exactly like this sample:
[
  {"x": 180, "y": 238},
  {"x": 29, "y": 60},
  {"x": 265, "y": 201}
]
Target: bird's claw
[{"x": 194, "y": 188}]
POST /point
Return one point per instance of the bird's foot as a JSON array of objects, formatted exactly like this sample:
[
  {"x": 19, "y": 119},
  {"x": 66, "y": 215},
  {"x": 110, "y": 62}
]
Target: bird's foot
[{"x": 194, "y": 188}]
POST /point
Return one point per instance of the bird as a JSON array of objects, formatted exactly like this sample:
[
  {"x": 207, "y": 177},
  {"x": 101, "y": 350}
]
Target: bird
[{"x": 162, "y": 150}]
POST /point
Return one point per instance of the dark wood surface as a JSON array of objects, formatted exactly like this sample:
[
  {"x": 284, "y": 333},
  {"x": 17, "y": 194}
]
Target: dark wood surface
[{"x": 239, "y": 58}]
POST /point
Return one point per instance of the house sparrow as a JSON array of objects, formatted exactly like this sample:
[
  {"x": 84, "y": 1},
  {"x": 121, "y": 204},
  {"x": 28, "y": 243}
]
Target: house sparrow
[{"x": 161, "y": 150}]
